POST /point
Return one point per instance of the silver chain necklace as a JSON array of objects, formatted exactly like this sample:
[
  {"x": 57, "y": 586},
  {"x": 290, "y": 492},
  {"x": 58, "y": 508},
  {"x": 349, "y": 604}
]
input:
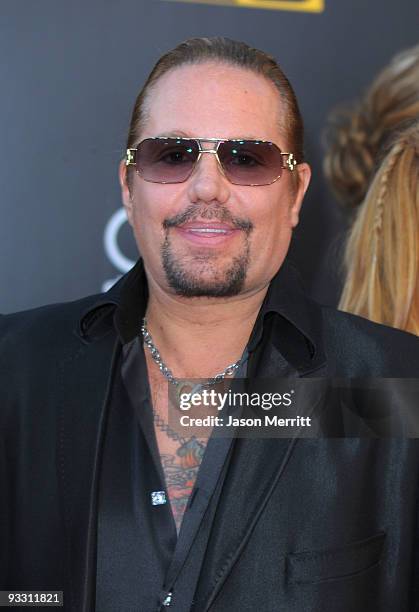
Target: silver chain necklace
[{"x": 167, "y": 373}]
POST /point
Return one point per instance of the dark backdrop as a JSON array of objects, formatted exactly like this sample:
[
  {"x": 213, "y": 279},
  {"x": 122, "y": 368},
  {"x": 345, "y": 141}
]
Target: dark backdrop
[{"x": 69, "y": 73}]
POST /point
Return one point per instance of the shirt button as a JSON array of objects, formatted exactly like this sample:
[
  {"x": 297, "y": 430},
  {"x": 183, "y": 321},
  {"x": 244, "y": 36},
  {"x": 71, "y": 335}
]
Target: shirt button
[{"x": 168, "y": 600}]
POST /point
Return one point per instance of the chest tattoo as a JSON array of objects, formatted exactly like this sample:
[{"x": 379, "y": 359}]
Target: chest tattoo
[{"x": 180, "y": 471}]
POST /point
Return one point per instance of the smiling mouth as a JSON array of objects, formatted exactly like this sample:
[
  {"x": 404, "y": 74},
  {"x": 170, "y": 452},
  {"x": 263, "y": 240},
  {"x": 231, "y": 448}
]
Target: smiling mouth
[
  {"x": 207, "y": 233},
  {"x": 216, "y": 221},
  {"x": 208, "y": 230}
]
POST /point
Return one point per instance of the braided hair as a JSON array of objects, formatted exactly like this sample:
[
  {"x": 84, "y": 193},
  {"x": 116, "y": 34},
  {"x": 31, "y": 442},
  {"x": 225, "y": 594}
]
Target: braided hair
[{"x": 382, "y": 251}]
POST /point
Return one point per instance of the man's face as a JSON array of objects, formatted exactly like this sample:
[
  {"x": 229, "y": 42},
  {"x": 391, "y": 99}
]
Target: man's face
[{"x": 214, "y": 100}]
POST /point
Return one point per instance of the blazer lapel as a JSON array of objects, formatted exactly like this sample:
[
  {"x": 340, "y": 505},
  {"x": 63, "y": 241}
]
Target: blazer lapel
[
  {"x": 255, "y": 469},
  {"x": 240, "y": 505},
  {"x": 85, "y": 382}
]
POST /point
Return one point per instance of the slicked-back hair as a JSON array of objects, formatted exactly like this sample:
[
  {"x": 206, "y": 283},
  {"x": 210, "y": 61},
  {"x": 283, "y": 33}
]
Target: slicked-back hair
[{"x": 224, "y": 50}]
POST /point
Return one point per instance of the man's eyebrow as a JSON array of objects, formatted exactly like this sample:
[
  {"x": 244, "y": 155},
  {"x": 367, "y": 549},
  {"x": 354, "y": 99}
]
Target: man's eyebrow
[
  {"x": 174, "y": 133},
  {"x": 182, "y": 134}
]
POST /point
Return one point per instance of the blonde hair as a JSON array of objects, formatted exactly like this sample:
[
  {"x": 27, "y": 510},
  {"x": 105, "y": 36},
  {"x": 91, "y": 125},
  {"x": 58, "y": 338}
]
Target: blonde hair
[
  {"x": 355, "y": 135},
  {"x": 382, "y": 252}
]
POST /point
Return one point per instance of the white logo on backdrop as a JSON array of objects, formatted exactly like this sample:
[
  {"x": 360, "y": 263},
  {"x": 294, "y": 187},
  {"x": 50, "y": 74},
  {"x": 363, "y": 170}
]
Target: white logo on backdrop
[{"x": 112, "y": 249}]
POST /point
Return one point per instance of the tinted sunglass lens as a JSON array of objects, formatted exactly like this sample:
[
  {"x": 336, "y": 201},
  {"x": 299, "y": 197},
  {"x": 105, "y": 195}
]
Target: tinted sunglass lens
[
  {"x": 166, "y": 160},
  {"x": 250, "y": 162}
]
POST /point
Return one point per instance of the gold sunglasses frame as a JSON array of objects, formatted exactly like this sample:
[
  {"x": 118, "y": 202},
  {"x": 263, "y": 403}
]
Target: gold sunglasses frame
[{"x": 289, "y": 162}]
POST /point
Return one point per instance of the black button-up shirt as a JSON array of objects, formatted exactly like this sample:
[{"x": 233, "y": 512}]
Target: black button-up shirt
[
  {"x": 140, "y": 556},
  {"x": 139, "y": 552}
]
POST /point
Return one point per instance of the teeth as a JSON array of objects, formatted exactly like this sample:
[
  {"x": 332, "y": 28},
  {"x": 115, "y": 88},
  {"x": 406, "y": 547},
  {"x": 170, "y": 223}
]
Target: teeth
[{"x": 207, "y": 230}]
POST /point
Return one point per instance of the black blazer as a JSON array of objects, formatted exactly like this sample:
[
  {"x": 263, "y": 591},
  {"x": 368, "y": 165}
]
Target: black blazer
[{"x": 301, "y": 525}]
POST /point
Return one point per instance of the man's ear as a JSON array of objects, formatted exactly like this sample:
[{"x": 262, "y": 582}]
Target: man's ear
[
  {"x": 303, "y": 177},
  {"x": 125, "y": 191}
]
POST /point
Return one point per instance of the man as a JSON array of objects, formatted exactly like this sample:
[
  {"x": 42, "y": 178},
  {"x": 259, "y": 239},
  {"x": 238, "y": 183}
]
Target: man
[{"x": 104, "y": 499}]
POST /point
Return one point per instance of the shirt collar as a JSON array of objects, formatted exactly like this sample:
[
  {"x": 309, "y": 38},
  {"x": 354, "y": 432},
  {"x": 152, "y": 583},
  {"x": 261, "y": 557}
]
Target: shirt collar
[
  {"x": 285, "y": 297},
  {"x": 121, "y": 308},
  {"x": 297, "y": 319}
]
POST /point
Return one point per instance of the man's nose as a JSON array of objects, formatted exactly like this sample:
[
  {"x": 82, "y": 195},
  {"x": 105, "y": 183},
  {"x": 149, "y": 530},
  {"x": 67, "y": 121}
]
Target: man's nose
[{"x": 207, "y": 183}]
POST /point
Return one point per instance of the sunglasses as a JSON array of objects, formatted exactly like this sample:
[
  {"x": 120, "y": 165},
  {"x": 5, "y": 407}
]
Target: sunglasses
[{"x": 242, "y": 162}]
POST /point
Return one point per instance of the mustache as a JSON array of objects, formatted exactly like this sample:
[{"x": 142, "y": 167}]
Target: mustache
[{"x": 218, "y": 212}]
